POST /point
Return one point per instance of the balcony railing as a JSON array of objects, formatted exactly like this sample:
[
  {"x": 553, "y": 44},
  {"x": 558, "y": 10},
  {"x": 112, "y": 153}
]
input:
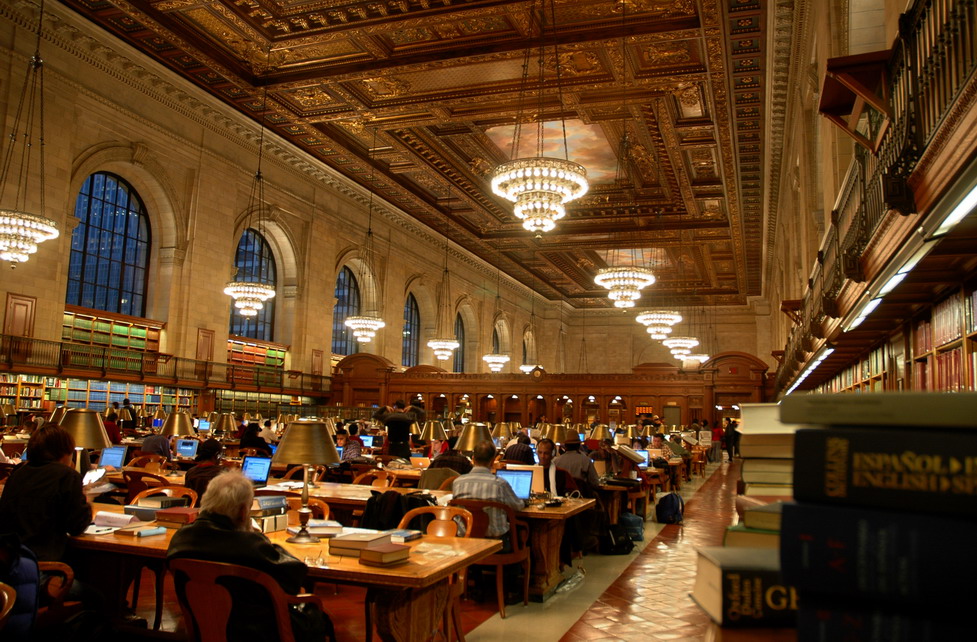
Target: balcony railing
[
  {"x": 24, "y": 354},
  {"x": 932, "y": 62}
]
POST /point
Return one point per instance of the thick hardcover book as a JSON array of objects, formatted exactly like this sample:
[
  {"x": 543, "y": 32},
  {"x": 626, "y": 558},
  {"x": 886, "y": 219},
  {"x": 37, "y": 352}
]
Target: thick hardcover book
[
  {"x": 266, "y": 502},
  {"x": 922, "y": 470},
  {"x": 766, "y": 517},
  {"x": 179, "y": 514},
  {"x": 774, "y": 445},
  {"x": 739, "y": 535},
  {"x": 360, "y": 540},
  {"x": 162, "y": 501},
  {"x": 742, "y": 587},
  {"x": 385, "y": 553},
  {"x": 921, "y": 410},
  {"x": 897, "y": 556},
  {"x": 868, "y": 622},
  {"x": 767, "y": 471},
  {"x": 401, "y": 535}
]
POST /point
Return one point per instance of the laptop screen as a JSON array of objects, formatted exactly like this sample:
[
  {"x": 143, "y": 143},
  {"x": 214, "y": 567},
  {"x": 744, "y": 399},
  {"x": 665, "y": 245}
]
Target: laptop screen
[
  {"x": 256, "y": 469},
  {"x": 203, "y": 425},
  {"x": 187, "y": 448},
  {"x": 521, "y": 481},
  {"x": 367, "y": 441},
  {"x": 114, "y": 456},
  {"x": 273, "y": 447},
  {"x": 643, "y": 453},
  {"x": 339, "y": 449}
]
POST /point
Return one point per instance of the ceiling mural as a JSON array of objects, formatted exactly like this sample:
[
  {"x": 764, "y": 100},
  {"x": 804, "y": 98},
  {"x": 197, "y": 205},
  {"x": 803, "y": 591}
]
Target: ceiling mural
[{"x": 441, "y": 83}]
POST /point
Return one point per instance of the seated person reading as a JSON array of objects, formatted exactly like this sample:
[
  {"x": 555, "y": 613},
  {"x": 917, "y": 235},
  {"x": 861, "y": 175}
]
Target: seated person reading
[
  {"x": 222, "y": 533},
  {"x": 520, "y": 451},
  {"x": 208, "y": 466},
  {"x": 482, "y": 484}
]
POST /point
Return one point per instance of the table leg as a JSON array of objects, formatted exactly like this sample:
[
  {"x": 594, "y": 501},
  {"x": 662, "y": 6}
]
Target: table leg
[
  {"x": 410, "y": 615},
  {"x": 545, "y": 537}
]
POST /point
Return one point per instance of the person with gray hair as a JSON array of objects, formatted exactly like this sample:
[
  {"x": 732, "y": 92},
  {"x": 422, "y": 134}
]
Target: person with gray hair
[{"x": 222, "y": 533}]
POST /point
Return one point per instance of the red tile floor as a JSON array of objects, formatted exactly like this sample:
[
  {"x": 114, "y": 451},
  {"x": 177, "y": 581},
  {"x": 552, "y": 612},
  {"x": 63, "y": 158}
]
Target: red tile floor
[{"x": 648, "y": 601}]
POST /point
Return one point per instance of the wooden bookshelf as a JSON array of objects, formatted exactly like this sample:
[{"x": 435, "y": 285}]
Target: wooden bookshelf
[
  {"x": 941, "y": 351},
  {"x": 268, "y": 404},
  {"x": 23, "y": 392},
  {"x": 98, "y": 395},
  {"x": 81, "y": 325},
  {"x": 250, "y": 352}
]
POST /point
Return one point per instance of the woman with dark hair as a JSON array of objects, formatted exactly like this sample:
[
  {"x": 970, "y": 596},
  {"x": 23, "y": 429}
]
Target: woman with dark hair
[{"x": 250, "y": 439}]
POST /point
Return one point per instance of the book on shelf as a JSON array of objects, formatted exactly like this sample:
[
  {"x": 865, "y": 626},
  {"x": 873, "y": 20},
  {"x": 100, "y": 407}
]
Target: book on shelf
[
  {"x": 825, "y": 620},
  {"x": 385, "y": 554},
  {"x": 886, "y": 555},
  {"x": 738, "y": 535},
  {"x": 743, "y": 587},
  {"x": 921, "y": 410},
  {"x": 766, "y": 516},
  {"x": 932, "y": 471}
]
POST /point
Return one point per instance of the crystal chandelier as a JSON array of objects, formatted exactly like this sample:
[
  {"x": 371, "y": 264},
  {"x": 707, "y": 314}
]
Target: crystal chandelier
[
  {"x": 625, "y": 284},
  {"x": 540, "y": 186},
  {"x": 681, "y": 346},
  {"x": 659, "y": 322},
  {"x": 365, "y": 326},
  {"x": 250, "y": 296},
  {"x": 443, "y": 344},
  {"x": 496, "y": 361},
  {"x": 21, "y": 231}
]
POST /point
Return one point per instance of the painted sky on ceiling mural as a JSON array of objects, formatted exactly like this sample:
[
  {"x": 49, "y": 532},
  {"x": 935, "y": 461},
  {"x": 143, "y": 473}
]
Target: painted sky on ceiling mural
[{"x": 586, "y": 143}]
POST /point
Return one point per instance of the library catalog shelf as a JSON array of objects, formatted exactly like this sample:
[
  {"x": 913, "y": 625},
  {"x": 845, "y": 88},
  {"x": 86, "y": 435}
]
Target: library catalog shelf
[{"x": 24, "y": 354}]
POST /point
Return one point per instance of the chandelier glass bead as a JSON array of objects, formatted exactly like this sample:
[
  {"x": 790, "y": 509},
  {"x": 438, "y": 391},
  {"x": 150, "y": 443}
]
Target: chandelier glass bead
[
  {"x": 364, "y": 328},
  {"x": 443, "y": 348},
  {"x": 625, "y": 284},
  {"x": 681, "y": 343},
  {"x": 540, "y": 188},
  {"x": 249, "y": 297},
  {"x": 496, "y": 361}
]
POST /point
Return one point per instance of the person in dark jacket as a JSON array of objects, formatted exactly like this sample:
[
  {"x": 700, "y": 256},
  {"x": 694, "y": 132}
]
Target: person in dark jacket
[
  {"x": 397, "y": 419},
  {"x": 250, "y": 439},
  {"x": 222, "y": 533},
  {"x": 208, "y": 467},
  {"x": 520, "y": 451},
  {"x": 452, "y": 459}
]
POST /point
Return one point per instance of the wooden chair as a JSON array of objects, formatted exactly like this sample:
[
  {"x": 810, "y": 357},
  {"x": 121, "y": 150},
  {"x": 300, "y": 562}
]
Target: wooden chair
[
  {"x": 206, "y": 603},
  {"x": 149, "y": 462},
  {"x": 519, "y": 536},
  {"x": 295, "y": 473},
  {"x": 433, "y": 478},
  {"x": 376, "y": 478},
  {"x": 699, "y": 461},
  {"x": 56, "y": 609},
  {"x": 138, "y": 481},
  {"x": 7, "y": 598},
  {"x": 447, "y": 484}
]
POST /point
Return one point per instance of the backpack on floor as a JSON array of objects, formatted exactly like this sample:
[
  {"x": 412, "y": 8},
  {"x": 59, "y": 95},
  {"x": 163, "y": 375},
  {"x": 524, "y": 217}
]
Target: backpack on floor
[
  {"x": 616, "y": 541},
  {"x": 669, "y": 509},
  {"x": 634, "y": 525}
]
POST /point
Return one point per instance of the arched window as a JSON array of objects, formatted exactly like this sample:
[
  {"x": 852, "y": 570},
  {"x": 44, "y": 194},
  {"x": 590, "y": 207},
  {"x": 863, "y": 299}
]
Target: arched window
[
  {"x": 347, "y": 305},
  {"x": 411, "y": 345},
  {"x": 256, "y": 264},
  {"x": 459, "y": 364},
  {"x": 107, "y": 269},
  {"x": 496, "y": 343}
]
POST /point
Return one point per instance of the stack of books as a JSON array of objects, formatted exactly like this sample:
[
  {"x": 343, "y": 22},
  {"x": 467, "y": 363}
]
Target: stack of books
[
  {"x": 880, "y": 541},
  {"x": 269, "y": 513},
  {"x": 767, "y": 448},
  {"x": 759, "y": 528},
  {"x": 176, "y": 516},
  {"x": 372, "y": 549}
]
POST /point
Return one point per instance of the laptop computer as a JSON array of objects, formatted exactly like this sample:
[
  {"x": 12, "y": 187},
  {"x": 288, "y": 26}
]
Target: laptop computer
[
  {"x": 114, "y": 456},
  {"x": 521, "y": 481},
  {"x": 339, "y": 449},
  {"x": 187, "y": 448},
  {"x": 644, "y": 453},
  {"x": 367, "y": 441},
  {"x": 377, "y": 441},
  {"x": 419, "y": 461},
  {"x": 203, "y": 426},
  {"x": 257, "y": 469},
  {"x": 539, "y": 484}
]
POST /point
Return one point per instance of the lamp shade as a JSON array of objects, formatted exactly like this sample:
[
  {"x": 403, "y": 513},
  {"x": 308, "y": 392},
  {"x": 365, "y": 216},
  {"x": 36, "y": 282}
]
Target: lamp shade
[
  {"x": 580, "y": 429},
  {"x": 515, "y": 426},
  {"x": 124, "y": 414},
  {"x": 600, "y": 433},
  {"x": 86, "y": 428},
  {"x": 472, "y": 435},
  {"x": 633, "y": 432},
  {"x": 433, "y": 430},
  {"x": 213, "y": 416},
  {"x": 160, "y": 413},
  {"x": 225, "y": 423},
  {"x": 553, "y": 432},
  {"x": 415, "y": 429},
  {"x": 58, "y": 415},
  {"x": 502, "y": 430},
  {"x": 179, "y": 424},
  {"x": 307, "y": 443}
]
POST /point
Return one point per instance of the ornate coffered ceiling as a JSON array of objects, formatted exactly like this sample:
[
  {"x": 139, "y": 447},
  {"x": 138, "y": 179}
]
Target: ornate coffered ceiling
[{"x": 439, "y": 82}]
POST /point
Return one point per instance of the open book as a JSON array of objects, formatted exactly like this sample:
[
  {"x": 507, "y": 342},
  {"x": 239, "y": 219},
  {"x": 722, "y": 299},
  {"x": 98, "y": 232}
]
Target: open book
[{"x": 109, "y": 522}]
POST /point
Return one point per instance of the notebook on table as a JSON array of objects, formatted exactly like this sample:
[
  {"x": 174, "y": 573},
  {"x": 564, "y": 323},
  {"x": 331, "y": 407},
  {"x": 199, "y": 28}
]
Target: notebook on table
[
  {"x": 257, "y": 469},
  {"x": 187, "y": 448},
  {"x": 521, "y": 481},
  {"x": 114, "y": 456}
]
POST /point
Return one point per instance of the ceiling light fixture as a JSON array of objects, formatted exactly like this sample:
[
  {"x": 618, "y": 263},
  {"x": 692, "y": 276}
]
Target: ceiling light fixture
[
  {"x": 443, "y": 344},
  {"x": 659, "y": 322},
  {"x": 21, "y": 231},
  {"x": 249, "y": 296},
  {"x": 540, "y": 186},
  {"x": 496, "y": 361},
  {"x": 625, "y": 283},
  {"x": 366, "y": 326}
]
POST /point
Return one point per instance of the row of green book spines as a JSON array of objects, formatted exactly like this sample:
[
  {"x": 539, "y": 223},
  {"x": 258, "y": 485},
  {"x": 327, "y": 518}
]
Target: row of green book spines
[{"x": 71, "y": 320}]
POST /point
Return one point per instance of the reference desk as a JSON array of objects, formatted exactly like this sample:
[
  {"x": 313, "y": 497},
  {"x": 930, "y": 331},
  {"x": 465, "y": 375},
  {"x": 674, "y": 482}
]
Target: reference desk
[{"x": 411, "y": 598}]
